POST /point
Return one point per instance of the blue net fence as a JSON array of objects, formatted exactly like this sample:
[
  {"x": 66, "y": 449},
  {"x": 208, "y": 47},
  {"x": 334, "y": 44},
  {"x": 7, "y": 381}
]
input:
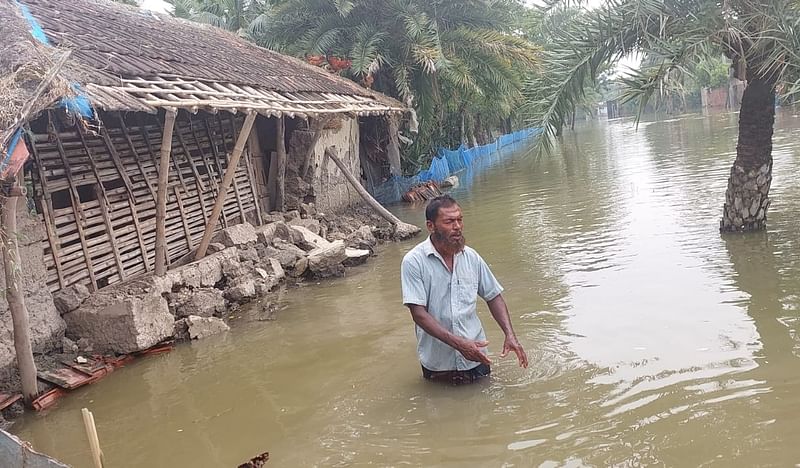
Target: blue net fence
[{"x": 448, "y": 162}]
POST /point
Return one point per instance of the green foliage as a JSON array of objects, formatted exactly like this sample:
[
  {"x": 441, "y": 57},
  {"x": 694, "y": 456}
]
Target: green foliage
[
  {"x": 444, "y": 57},
  {"x": 675, "y": 36}
]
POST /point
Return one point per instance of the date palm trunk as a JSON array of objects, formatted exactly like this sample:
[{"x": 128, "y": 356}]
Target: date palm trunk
[{"x": 747, "y": 196}]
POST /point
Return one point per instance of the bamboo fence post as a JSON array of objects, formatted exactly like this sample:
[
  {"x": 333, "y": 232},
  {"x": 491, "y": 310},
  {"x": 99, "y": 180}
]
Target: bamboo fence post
[
  {"x": 401, "y": 229},
  {"x": 14, "y": 296},
  {"x": 280, "y": 160},
  {"x": 161, "y": 205},
  {"x": 94, "y": 441},
  {"x": 230, "y": 172}
]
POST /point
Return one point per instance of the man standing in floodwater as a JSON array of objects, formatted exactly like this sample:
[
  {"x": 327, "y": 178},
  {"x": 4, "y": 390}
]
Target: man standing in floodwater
[{"x": 441, "y": 279}]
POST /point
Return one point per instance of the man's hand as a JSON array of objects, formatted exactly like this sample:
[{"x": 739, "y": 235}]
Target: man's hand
[
  {"x": 472, "y": 350},
  {"x": 511, "y": 344}
]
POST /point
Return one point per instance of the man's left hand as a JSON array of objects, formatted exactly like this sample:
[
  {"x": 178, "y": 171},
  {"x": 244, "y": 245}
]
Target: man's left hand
[{"x": 511, "y": 344}]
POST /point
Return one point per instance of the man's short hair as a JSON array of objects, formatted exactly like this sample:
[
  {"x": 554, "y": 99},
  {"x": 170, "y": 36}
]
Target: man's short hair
[{"x": 442, "y": 201}]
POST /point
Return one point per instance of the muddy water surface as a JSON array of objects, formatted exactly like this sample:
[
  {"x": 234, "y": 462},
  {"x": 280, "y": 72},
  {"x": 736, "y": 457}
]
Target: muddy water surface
[{"x": 653, "y": 340}]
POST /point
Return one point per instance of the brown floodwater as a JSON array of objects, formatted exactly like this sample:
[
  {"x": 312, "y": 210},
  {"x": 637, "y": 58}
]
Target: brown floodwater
[{"x": 653, "y": 340}]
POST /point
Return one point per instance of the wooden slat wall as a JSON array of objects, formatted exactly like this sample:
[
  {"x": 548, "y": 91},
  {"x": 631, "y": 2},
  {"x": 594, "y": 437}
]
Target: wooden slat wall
[{"x": 114, "y": 239}]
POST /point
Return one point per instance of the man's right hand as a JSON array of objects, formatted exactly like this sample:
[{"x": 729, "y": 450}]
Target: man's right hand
[{"x": 473, "y": 350}]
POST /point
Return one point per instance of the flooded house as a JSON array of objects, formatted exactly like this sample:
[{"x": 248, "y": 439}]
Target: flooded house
[{"x": 244, "y": 132}]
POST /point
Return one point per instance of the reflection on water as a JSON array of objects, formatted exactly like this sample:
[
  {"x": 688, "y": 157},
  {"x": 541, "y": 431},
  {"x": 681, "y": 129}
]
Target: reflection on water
[{"x": 653, "y": 339}]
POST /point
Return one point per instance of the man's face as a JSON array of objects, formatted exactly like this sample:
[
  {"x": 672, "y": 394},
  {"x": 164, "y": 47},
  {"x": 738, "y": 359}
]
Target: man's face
[{"x": 448, "y": 228}]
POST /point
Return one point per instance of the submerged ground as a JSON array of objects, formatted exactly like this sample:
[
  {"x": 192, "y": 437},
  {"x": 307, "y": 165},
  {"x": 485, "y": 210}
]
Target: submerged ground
[{"x": 652, "y": 338}]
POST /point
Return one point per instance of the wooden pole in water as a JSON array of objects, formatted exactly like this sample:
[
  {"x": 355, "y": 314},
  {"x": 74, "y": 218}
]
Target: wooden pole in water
[
  {"x": 91, "y": 433},
  {"x": 161, "y": 196},
  {"x": 230, "y": 171},
  {"x": 16, "y": 302},
  {"x": 401, "y": 229}
]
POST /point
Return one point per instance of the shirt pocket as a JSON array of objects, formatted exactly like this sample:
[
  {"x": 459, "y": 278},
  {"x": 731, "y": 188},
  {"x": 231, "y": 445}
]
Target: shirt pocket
[{"x": 467, "y": 292}]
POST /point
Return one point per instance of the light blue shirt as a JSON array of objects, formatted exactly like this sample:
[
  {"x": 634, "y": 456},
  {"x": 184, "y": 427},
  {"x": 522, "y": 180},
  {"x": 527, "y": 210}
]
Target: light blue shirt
[{"x": 451, "y": 298}]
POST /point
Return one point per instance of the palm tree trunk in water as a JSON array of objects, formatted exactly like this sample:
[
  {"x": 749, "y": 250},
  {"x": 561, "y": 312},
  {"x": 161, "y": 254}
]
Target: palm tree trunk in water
[{"x": 747, "y": 197}]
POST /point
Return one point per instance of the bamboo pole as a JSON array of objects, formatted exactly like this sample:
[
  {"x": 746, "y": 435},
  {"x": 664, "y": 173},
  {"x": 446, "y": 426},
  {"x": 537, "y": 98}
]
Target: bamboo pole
[
  {"x": 161, "y": 205},
  {"x": 14, "y": 296},
  {"x": 230, "y": 172},
  {"x": 280, "y": 160},
  {"x": 91, "y": 433},
  {"x": 401, "y": 229}
]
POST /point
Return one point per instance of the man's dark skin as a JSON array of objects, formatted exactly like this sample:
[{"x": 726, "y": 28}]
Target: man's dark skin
[{"x": 447, "y": 238}]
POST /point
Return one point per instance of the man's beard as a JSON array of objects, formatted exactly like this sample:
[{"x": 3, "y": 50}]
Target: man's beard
[{"x": 448, "y": 243}]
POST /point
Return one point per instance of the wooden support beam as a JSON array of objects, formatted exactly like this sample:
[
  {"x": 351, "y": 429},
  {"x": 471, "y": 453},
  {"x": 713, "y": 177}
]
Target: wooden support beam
[
  {"x": 14, "y": 294},
  {"x": 209, "y": 169},
  {"x": 117, "y": 162},
  {"x": 136, "y": 156},
  {"x": 77, "y": 210},
  {"x": 251, "y": 176},
  {"x": 49, "y": 221},
  {"x": 402, "y": 230},
  {"x": 236, "y": 192},
  {"x": 217, "y": 162},
  {"x": 100, "y": 191},
  {"x": 161, "y": 202},
  {"x": 230, "y": 172},
  {"x": 138, "y": 226},
  {"x": 280, "y": 160},
  {"x": 98, "y": 187},
  {"x": 186, "y": 231},
  {"x": 188, "y": 156}
]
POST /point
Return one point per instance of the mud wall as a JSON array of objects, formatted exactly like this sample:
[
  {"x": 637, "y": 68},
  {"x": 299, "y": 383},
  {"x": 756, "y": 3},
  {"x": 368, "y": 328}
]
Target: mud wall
[
  {"x": 332, "y": 190},
  {"x": 47, "y": 327}
]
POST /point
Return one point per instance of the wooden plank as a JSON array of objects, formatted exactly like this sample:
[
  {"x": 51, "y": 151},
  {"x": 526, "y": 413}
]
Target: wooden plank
[
  {"x": 138, "y": 227},
  {"x": 251, "y": 178},
  {"x": 161, "y": 205},
  {"x": 117, "y": 162},
  {"x": 135, "y": 153},
  {"x": 209, "y": 168},
  {"x": 49, "y": 221},
  {"x": 76, "y": 207},
  {"x": 226, "y": 181},
  {"x": 188, "y": 156},
  {"x": 101, "y": 193},
  {"x": 215, "y": 152},
  {"x": 185, "y": 223},
  {"x": 110, "y": 231},
  {"x": 238, "y": 194}
]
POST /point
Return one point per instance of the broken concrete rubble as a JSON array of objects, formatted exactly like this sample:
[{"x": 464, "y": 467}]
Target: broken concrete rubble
[
  {"x": 122, "y": 321},
  {"x": 196, "y": 328},
  {"x": 355, "y": 256},
  {"x": 234, "y": 236},
  {"x": 70, "y": 298},
  {"x": 203, "y": 302}
]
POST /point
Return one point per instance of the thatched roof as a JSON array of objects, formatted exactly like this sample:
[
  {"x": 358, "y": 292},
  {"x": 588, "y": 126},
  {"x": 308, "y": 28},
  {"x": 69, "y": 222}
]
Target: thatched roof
[
  {"x": 140, "y": 60},
  {"x": 24, "y": 63}
]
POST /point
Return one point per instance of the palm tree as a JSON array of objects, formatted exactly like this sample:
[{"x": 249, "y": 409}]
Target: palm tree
[
  {"x": 756, "y": 36},
  {"x": 456, "y": 62},
  {"x": 243, "y": 17}
]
